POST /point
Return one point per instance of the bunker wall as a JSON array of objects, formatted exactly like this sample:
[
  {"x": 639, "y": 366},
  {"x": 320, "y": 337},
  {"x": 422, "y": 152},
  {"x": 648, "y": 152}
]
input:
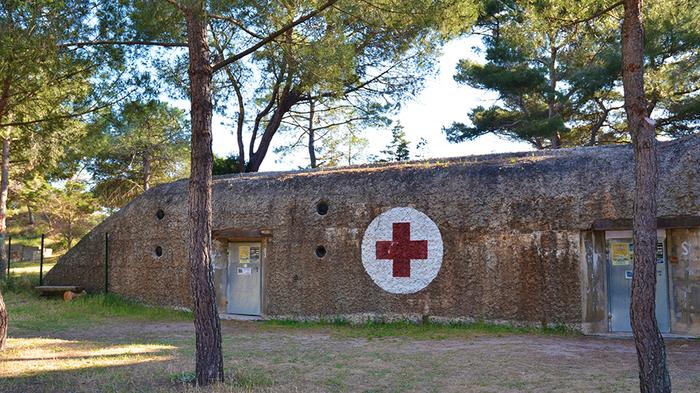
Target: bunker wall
[{"x": 514, "y": 230}]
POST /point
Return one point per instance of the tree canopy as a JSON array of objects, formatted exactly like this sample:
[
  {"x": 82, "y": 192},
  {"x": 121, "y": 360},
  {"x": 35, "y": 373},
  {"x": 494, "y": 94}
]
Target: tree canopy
[
  {"x": 354, "y": 63},
  {"x": 142, "y": 144},
  {"x": 556, "y": 67}
]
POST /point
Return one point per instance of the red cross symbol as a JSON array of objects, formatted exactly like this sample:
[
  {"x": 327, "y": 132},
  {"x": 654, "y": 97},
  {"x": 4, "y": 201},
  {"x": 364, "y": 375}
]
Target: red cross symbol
[{"x": 401, "y": 249}]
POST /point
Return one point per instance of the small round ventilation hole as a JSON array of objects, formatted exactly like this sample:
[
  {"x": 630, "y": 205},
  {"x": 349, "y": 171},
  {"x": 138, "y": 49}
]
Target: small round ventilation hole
[
  {"x": 159, "y": 251},
  {"x": 160, "y": 214},
  {"x": 322, "y": 208},
  {"x": 320, "y": 251}
]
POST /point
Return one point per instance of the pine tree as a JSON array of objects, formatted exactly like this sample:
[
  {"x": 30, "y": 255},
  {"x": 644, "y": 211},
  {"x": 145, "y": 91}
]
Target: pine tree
[
  {"x": 399, "y": 148},
  {"x": 556, "y": 68},
  {"x": 145, "y": 143}
]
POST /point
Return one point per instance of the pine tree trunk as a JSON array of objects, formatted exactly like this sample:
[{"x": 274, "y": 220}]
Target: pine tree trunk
[
  {"x": 651, "y": 352},
  {"x": 551, "y": 110},
  {"x": 4, "y": 184},
  {"x": 239, "y": 124},
  {"x": 30, "y": 213},
  {"x": 4, "y": 110},
  {"x": 3, "y": 322},
  {"x": 288, "y": 99},
  {"x": 146, "y": 172},
  {"x": 312, "y": 137},
  {"x": 209, "y": 363}
]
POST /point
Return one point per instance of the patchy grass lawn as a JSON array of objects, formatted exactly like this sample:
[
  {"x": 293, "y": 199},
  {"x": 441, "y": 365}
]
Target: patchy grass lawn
[
  {"x": 106, "y": 344},
  {"x": 423, "y": 331},
  {"x": 25, "y": 275}
]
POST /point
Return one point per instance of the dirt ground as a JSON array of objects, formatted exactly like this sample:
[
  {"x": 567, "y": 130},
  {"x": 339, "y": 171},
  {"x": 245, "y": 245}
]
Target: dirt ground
[{"x": 131, "y": 356}]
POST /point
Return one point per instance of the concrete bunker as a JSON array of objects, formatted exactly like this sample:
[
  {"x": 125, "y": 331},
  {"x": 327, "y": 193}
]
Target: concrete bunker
[{"x": 537, "y": 238}]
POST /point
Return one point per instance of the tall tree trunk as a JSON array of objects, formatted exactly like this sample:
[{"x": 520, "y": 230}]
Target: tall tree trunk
[
  {"x": 239, "y": 125},
  {"x": 312, "y": 141},
  {"x": 551, "y": 110},
  {"x": 69, "y": 230},
  {"x": 4, "y": 185},
  {"x": 256, "y": 159},
  {"x": 147, "y": 173},
  {"x": 651, "y": 352},
  {"x": 287, "y": 99},
  {"x": 595, "y": 128},
  {"x": 30, "y": 213},
  {"x": 3, "y": 322},
  {"x": 3, "y": 209},
  {"x": 350, "y": 149},
  {"x": 209, "y": 364}
]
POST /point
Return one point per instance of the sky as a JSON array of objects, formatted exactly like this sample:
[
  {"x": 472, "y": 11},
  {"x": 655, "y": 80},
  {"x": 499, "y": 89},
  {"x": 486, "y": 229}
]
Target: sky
[{"x": 441, "y": 102}]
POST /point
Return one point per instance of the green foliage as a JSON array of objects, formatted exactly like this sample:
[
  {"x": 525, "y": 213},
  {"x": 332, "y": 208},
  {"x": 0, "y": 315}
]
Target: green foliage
[
  {"x": 342, "y": 146},
  {"x": 356, "y": 62},
  {"x": 338, "y": 131},
  {"x": 399, "y": 148},
  {"x": 46, "y": 88},
  {"x": 39, "y": 78},
  {"x": 226, "y": 165},
  {"x": 71, "y": 211},
  {"x": 556, "y": 67},
  {"x": 145, "y": 143},
  {"x": 30, "y": 191},
  {"x": 672, "y": 60},
  {"x": 535, "y": 61}
]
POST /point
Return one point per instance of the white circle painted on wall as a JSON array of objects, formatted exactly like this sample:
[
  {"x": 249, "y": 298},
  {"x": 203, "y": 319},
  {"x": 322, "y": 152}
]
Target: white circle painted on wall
[{"x": 402, "y": 250}]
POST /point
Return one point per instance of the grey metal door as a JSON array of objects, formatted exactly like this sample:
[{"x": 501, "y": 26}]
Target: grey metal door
[
  {"x": 244, "y": 283},
  {"x": 663, "y": 306},
  {"x": 620, "y": 258}
]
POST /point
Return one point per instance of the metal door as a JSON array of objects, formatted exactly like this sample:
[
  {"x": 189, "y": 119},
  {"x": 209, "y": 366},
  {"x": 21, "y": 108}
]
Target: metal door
[
  {"x": 620, "y": 258},
  {"x": 663, "y": 307},
  {"x": 244, "y": 283}
]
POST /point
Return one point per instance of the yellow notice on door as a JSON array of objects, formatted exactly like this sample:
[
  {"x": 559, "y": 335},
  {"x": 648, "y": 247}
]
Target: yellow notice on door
[
  {"x": 620, "y": 254},
  {"x": 244, "y": 254}
]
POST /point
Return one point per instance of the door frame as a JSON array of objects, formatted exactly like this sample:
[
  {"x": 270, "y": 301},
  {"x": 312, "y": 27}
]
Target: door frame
[
  {"x": 263, "y": 268},
  {"x": 628, "y": 234}
]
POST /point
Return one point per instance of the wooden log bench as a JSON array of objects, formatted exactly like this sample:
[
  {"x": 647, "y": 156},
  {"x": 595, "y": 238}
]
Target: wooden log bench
[{"x": 68, "y": 291}]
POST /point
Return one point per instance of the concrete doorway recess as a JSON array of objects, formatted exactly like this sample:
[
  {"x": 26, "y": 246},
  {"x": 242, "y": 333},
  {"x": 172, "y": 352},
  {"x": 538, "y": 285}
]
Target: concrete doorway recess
[
  {"x": 620, "y": 256},
  {"x": 244, "y": 281}
]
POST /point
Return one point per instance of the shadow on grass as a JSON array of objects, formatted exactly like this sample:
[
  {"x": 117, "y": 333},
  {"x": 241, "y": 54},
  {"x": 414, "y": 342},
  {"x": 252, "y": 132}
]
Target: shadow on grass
[
  {"x": 41, "y": 364},
  {"x": 58, "y": 346}
]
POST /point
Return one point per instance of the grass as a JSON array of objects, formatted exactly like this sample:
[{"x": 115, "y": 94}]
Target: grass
[
  {"x": 55, "y": 345},
  {"x": 33, "y": 241},
  {"x": 418, "y": 331},
  {"x": 31, "y": 313},
  {"x": 109, "y": 344},
  {"x": 26, "y": 274}
]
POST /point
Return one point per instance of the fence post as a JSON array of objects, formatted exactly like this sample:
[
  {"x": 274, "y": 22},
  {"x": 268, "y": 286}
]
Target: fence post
[
  {"x": 106, "y": 262},
  {"x": 9, "y": 255},
  {"x": 41, "y": 262}
]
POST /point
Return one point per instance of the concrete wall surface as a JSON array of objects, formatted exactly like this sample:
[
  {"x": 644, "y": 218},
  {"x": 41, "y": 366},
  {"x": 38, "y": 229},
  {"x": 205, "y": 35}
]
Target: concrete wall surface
[{"x": 517, "y": 235}]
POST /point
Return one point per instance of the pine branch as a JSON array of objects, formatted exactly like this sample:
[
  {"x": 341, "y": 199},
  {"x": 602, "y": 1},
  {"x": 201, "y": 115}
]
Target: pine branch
[
  {"x": 595, "y": 15},
  {"x": 236, "y": 23},
  {"x": 65, "y": 115},
  {"x": 272, "y": 36},
  {"x": 117, "y": 42}
]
